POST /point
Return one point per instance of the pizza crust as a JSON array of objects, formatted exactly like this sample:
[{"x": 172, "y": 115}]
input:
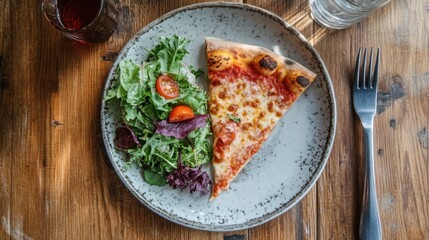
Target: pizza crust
[{"x": 224, "y": 53}]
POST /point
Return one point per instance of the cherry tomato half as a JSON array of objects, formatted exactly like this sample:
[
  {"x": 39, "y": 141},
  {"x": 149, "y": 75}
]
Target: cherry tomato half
[
  {"x": 181, "y": 113},
  {"x": 167, "y": 87}
]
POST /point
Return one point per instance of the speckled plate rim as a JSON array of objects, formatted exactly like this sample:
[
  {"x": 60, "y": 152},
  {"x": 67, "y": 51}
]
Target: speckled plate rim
[{"x": 326, "y": 151}]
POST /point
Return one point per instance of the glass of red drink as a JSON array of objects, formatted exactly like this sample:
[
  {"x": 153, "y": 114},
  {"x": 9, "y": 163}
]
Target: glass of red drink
[{"x": 85, "y": 21}]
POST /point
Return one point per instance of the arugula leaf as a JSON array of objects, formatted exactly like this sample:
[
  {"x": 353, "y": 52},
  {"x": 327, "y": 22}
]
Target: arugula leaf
[
  {"x": 197, "y": 72},
  {"x": 154, "y": 178},
  {"x": 202, "y": 148},
  {"x": 234, "y": 118},
  {"x": 111, "y": 93},
  {"x": 169, "y": 52}
]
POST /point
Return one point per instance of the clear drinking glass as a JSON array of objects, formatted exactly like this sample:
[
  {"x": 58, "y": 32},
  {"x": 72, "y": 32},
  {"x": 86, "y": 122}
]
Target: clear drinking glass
[
  {"x": 85, "y": 21},
  {"x": 340, "y": 14}
]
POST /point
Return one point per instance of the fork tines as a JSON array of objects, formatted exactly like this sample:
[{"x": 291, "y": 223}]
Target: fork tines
[{"x": 372, "y": 79}]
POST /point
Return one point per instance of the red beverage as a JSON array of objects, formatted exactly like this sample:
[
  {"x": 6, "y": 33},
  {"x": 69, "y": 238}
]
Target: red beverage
[
  {"x": 85, "y": 21},
  {"x": 76, "y": 14}
]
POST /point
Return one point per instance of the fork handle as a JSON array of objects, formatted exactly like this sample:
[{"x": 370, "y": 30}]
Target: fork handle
[{"x": 370, "y": 224}]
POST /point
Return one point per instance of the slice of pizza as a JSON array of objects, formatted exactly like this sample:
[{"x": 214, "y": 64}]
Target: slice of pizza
[{"x": 250, "y": 89}]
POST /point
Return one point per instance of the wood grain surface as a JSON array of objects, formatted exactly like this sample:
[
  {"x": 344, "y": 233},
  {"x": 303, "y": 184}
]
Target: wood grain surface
[{"x": 55, "y": 182}]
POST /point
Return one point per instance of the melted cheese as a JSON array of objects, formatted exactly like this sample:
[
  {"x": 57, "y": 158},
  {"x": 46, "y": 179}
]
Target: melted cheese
[
  {"x": 245, "y": 100},
  {"x": 257, "y": 111}
]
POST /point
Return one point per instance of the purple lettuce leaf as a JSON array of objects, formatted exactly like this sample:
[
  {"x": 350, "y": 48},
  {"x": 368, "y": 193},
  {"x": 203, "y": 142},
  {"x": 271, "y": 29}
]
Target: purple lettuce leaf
[
  {"x": 180, "y": 129},
  {"x": 194, "y": 178},
  {"x": 201, "y": 181},
  {"x": 125, "y": 138}
]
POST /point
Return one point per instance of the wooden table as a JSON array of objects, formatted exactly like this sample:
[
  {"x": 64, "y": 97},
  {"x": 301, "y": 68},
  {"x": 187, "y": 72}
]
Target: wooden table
[{"x": 54, "y": 179}]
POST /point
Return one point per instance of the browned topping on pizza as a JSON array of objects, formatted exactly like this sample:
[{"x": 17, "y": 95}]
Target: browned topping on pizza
[
  {"x": 222, "y": 95},
  {"x": 214, "y": 109},
  {"x": 266, "y": 64},
  {"x": 219, "y": 60},
  {"x": 303, "y": 81},
  {"x": 254, "y": 104},
  {"x": 247, "y": 126},
  {"x": 232, "y": 107},
  {"x": 270, "y": 106}
]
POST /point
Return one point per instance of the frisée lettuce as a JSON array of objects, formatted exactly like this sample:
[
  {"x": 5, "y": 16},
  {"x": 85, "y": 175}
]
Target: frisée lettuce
[{"x": 143, "y": 109}]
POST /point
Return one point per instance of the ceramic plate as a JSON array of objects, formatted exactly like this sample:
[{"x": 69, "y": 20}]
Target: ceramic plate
[{"x": 289, "y": 162}]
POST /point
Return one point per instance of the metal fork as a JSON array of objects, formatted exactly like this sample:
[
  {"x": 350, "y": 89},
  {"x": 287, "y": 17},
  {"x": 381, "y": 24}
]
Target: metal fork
[{"x": 365, "y": 104}]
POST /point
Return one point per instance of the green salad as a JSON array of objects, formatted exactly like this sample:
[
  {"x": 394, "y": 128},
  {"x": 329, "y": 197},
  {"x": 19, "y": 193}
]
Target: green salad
[{"x": 165, "y": 126}]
